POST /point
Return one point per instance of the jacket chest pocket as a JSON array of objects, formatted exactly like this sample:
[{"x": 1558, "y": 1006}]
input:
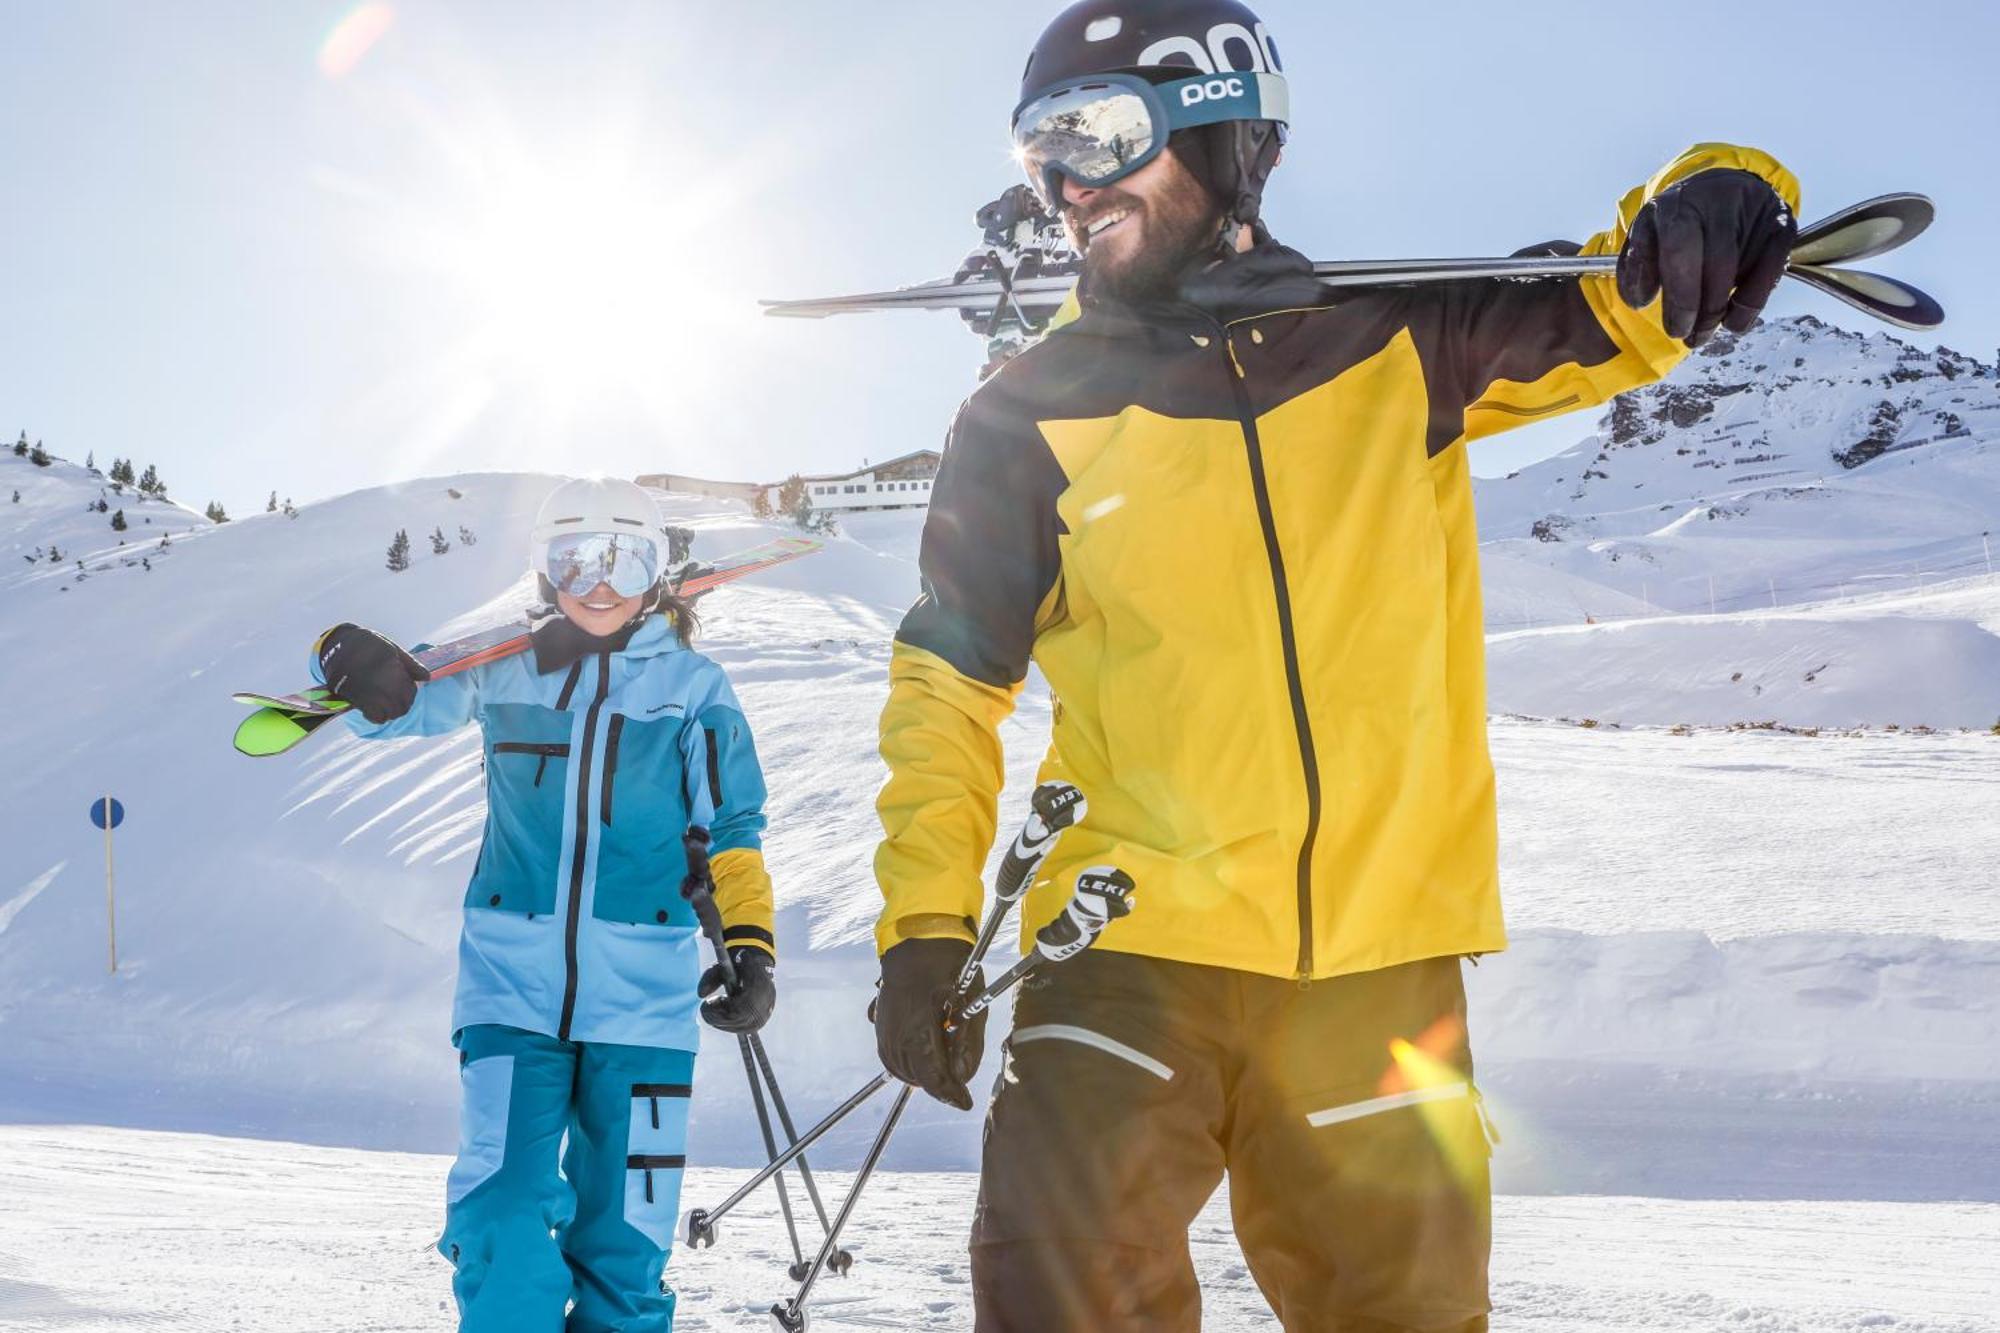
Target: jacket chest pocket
[
  {"x": 530, "y": 779},
  {"x": 542, "y": 750},
  {"x": 643, "y": 814}
]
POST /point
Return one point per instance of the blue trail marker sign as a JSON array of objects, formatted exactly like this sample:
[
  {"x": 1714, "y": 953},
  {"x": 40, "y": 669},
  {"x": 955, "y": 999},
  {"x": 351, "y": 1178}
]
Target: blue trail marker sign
[{"x": 107, "y": 812}]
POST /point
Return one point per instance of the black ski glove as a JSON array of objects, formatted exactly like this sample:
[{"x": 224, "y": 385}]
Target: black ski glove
[
  {"x": 1716, "y": 244},
  {"x": 918, "y": 981},
  {"x": 379, "y": 679},
  {"x": 747, "y": 1007}
]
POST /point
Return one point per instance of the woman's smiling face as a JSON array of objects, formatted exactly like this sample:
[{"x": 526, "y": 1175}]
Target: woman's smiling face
[{"x": 599, "y": 612}]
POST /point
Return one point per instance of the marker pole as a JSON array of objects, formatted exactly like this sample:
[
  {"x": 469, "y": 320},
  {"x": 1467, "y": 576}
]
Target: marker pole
[{"x": 110, "y": 890}]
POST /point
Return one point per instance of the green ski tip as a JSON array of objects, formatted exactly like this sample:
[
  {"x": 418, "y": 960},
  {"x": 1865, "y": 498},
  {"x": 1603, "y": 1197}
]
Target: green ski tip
[{"x": 270, "y": 731}]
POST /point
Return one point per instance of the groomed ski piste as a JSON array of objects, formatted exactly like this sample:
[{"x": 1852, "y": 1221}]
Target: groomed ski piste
[{"x": 1744, "y": 1052}]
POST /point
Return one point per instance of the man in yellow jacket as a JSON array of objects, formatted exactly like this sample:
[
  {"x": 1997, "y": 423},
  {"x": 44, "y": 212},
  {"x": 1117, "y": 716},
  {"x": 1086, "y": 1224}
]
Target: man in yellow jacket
[{"x": 1227, "y": 511}]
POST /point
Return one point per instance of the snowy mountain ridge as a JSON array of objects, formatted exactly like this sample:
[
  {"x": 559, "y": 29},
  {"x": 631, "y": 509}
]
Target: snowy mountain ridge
[
  {"x": 52, "y": 528},
  {"x": 1794, "y": 527},
  {"x": 1800, "y": 462}
]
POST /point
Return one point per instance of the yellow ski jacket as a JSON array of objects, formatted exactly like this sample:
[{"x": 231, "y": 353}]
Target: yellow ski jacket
[{"x": 1236, "y": 534}]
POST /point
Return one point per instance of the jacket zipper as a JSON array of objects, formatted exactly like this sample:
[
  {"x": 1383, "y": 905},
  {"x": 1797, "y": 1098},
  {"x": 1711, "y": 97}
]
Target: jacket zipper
[
  {"x": 1288, "y": 639},
  {"x": 582, "y": 845}
]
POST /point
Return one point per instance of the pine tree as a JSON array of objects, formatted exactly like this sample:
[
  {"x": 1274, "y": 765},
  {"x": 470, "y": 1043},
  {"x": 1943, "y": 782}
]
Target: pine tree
[
  {"x": 121, "y": 471},
  {"x": 465, "y": 537},
  {"x": 55, "y": 556},
  {"x": 103, "y": 506},
  {"x": 90, "y": 461},
  {"x": 399, "y": 552},
  {"x": 38, "y": 455},
  {"x": 215, "y": 512},
  {"x": 438, "y": 544},
  {"x": 118, "y": 521},
  {"x": 149, "y": 482},
  {"x": 21, "y": 446},
  {"x": 17, "y": 497},
  {"x": 760, "y": 503},
  {"x": 793, "y": 500},
  {"x": 271, "y": 505}
]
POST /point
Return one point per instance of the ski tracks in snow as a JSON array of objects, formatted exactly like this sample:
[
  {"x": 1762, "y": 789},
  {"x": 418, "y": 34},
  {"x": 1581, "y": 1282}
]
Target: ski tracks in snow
[{"x": 16, "y": 904}]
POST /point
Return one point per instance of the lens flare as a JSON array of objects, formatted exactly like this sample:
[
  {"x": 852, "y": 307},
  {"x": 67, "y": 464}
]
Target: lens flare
[
  {"x": 1456, "y": 1124},
  {"x": 353, "y": 37}
]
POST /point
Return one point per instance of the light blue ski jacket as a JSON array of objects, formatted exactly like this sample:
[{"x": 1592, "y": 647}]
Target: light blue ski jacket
[{"x": 574, "y": 922}]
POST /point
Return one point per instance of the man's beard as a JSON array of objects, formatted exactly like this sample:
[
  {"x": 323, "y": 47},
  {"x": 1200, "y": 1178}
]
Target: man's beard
[{"x": 1178, "y": 227}]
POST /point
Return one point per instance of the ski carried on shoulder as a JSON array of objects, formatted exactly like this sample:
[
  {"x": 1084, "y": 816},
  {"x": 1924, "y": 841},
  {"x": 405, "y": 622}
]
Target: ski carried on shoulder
[
  {"x": 1030, "y": 293},
  {"x": 282, "y": 721}
]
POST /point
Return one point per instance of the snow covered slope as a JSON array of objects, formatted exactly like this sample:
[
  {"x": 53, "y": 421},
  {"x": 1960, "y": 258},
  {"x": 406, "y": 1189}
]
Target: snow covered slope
[
  {"x": 1894, "y": 659},
  {"x": 108, "y": 1230}
]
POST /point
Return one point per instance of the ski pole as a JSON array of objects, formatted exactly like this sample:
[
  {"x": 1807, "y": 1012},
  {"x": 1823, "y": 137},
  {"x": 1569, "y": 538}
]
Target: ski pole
[
  {"x": 842, "y": 1261},
  {"x": 1103, "y": 895},
  {"x": 791, "y": 1315},
  {"x": 698, "y": 888},
  {"x": 770, "y": 1151},
  {"x": 1054, "y": 806},
  {"x": 699, "y": 1228}
]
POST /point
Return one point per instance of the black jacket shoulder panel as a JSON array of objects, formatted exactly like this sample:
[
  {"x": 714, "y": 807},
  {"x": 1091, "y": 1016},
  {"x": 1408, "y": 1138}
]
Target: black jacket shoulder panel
[{"x": 989, "y": 555}]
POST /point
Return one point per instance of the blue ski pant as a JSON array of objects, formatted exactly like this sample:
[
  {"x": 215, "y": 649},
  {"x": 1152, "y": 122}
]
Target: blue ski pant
[{"x": 567, "y": 1183}]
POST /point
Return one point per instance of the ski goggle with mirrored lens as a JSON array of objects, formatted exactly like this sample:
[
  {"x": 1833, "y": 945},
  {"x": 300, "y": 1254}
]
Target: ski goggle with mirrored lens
[
  {"x": 1104, "y": 128},
  {"x": 579, "y": 562}
]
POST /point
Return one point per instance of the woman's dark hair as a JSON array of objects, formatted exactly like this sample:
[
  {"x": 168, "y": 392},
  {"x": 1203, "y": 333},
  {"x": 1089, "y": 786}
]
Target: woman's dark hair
[{"x": 686, "y": 622}]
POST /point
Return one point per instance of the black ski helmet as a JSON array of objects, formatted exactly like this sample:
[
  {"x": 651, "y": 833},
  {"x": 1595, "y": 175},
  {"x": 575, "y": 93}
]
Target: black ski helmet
[{"x": 1167, "y": 39}]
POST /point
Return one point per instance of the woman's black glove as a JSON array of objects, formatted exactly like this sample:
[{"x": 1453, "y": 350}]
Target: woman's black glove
[
  {"x": 368, "y": 671},
  {"x": 1716, "y": 244},
  {"x": 747, "y": 1006},
  {"x": 919, "y": 978}
]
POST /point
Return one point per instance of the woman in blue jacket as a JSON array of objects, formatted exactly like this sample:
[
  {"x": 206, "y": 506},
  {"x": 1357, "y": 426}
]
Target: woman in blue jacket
[{"x": 580, "y": 965}]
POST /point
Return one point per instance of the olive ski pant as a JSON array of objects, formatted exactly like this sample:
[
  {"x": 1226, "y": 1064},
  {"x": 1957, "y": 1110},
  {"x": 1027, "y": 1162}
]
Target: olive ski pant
[
  {"x": 567, "y": 1183},
  {"x": 1343, "y": 1114}
]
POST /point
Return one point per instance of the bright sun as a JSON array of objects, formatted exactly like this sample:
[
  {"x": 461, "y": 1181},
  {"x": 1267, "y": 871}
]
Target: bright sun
[
  {"x": 562, "y": 286},
  {"x": 586, "y": 280}
]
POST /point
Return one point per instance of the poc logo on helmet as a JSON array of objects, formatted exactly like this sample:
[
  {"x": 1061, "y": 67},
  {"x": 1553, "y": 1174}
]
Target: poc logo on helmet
[
  {"x": 1214, "y": 90},
  {"x": 1229, "y": 46}
]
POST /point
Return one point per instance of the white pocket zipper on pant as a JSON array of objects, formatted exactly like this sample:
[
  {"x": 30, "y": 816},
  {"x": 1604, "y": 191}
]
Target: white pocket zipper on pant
[
  {"x": 1085, "y": 1037},
  {"x": 1395, "y": 1101}
]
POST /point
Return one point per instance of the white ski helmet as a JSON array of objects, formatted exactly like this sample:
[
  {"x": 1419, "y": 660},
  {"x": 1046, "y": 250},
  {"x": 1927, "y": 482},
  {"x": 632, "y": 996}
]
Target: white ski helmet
[{"x": 594, "y": 505}]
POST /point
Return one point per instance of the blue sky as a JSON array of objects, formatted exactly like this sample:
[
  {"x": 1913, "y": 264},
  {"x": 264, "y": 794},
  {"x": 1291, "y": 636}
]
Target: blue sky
[{"x": 514, "y": 235}]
